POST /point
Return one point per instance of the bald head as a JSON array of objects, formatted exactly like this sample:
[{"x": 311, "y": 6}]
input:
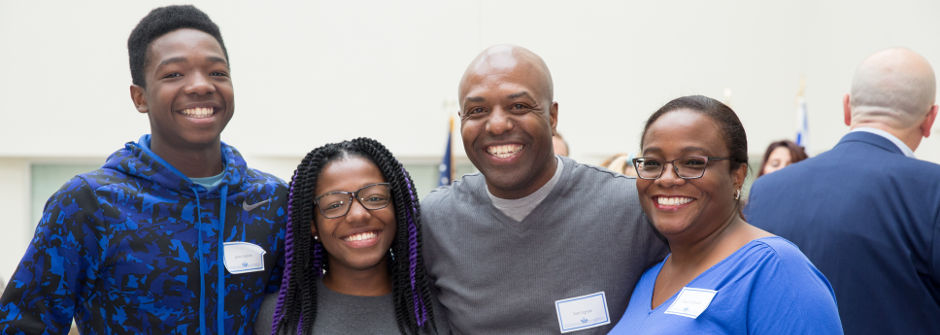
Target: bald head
[
  {"x": 507, "y": 117},
  {"x": 503, "y": 59},
  {"x": 894, "y": 87}
]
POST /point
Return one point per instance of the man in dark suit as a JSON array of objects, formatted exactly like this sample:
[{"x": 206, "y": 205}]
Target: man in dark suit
[{"x": 867, "y": 212}]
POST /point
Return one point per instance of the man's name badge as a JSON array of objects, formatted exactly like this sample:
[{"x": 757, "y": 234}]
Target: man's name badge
[
  {"x": 241, "y": 257},
  {"x": 691, "y": 302},
  {"x": 584, "y": 312}
]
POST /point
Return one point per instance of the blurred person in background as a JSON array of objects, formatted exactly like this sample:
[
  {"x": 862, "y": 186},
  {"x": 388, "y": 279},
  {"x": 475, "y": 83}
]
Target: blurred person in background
[
  {"x": 779, "y": 154},
  {"x": 559, "y": 144},
  {"x": 620, "y": 163}
]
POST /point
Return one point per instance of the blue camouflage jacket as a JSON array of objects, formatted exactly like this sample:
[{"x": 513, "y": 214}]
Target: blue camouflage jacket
[{"x": 136, "y": 247}]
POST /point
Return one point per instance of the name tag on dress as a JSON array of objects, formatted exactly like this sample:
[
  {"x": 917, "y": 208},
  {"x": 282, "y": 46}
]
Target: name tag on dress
[
  {"x": 579, "y": 313},
  {"x": 691, "y": 302},
  {"x": 241, "y": 257}
]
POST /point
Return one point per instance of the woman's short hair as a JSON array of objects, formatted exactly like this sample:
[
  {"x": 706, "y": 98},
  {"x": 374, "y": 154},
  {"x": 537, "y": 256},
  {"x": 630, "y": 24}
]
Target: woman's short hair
[{"x": 732, "y": 131}]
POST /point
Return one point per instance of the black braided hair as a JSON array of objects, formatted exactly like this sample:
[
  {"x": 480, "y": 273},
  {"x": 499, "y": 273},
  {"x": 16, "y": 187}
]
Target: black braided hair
[{"x": 306, "y": 259}]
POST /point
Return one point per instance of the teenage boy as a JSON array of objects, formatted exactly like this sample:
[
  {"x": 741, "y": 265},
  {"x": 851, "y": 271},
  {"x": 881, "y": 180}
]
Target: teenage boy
[{"x": 174, "y": 234}]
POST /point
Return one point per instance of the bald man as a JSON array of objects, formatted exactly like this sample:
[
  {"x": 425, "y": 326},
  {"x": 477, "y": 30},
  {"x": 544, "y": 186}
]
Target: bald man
[
  {"x": 535, "y": 243},
  {"x": 867, "y": 212}
]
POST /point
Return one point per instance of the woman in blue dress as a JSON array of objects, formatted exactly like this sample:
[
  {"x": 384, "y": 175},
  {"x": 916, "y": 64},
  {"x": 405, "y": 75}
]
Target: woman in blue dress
[{"x": 723, "y": 276}]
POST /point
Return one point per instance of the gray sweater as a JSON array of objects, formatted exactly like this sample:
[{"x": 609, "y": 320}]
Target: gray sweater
[{"x": 499, "y": 276}]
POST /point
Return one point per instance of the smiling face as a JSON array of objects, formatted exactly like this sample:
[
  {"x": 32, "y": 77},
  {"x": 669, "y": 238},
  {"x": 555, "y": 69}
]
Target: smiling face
[
  {"x": 188, "y": 95},
  {"x": 507, "y": 117},
  {"x": 359, "y": 240},
  {"x": 688, "y": 208},
  {"x": 778, "y": 159}
]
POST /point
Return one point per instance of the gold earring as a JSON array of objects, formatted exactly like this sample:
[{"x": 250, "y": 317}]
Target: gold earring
[{"x": 737, "y": 194}]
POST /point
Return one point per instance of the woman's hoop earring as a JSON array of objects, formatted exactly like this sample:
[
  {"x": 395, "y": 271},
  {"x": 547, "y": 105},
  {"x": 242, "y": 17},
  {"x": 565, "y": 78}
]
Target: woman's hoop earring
[{"x": 737, "y": 194}]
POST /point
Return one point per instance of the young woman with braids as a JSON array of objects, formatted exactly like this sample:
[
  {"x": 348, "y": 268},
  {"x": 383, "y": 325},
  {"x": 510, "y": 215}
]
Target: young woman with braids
[{"x": 353, "y": 248}]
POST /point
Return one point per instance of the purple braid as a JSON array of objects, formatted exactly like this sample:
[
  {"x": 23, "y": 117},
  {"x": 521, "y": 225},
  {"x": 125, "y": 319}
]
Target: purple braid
[
  {"x": 420, "y": 312},
  {"x": 288, "y": 259},
  {"x": 317, "y": 259}
]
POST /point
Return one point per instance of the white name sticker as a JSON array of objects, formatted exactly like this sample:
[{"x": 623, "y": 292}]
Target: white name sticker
[
  {"x": 586, "y": 311},
  {"x": 241, "y": 257},
  {"x": 691, "y": 302}
]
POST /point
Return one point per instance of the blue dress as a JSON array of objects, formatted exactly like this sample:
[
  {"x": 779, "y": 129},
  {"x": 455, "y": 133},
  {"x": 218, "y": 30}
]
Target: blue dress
[{"x": 765, "y": 287}]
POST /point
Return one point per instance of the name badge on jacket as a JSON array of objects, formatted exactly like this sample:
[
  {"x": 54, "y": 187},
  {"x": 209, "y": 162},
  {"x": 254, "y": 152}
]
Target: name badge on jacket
[{"x": 241, "y": 257}]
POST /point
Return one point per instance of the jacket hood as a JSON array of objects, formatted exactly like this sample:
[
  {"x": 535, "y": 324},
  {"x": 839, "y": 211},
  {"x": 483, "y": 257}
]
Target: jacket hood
[{"x": 137, "y": 160}]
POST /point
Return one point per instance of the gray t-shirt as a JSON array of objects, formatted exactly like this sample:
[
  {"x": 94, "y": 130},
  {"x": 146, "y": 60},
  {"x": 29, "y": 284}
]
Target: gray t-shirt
[
  {"x": 343, "y": 314},
  {"x": 496, "y": 275},
  {"x": 518, "y": 209}
]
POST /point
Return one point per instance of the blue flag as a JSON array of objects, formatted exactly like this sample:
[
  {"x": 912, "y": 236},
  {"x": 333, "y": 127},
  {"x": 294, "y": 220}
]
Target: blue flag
[
  {"x": 802, "y": 125},
  {"x": 447, "y": 163}
]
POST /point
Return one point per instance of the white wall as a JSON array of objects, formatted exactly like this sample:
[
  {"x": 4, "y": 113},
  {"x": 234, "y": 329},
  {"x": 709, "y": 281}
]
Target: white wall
[
  {"x": 315, "y": 71},
  {"x": 310, "y": 72},
  {"x": 14, "y": 204}
]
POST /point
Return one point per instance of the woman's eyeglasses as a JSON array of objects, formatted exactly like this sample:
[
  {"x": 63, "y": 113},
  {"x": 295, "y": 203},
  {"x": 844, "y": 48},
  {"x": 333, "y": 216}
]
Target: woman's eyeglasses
[
  {"x": 688, "y": 167},
  {"x": 337, "y": 203}
]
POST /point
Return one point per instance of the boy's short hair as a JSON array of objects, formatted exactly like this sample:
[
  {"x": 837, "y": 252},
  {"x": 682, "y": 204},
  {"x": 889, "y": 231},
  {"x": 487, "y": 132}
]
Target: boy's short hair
[{"x": 159, "y": 22}]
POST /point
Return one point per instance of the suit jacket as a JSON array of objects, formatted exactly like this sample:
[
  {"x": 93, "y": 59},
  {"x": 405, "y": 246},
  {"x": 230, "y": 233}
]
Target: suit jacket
[{"x": 869, "y": 218}]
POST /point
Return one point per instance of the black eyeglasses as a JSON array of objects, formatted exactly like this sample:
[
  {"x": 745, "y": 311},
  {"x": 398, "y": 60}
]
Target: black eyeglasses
[
  {"x": 688, "y": 167},
  {"x": 337, "y": 203}
]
